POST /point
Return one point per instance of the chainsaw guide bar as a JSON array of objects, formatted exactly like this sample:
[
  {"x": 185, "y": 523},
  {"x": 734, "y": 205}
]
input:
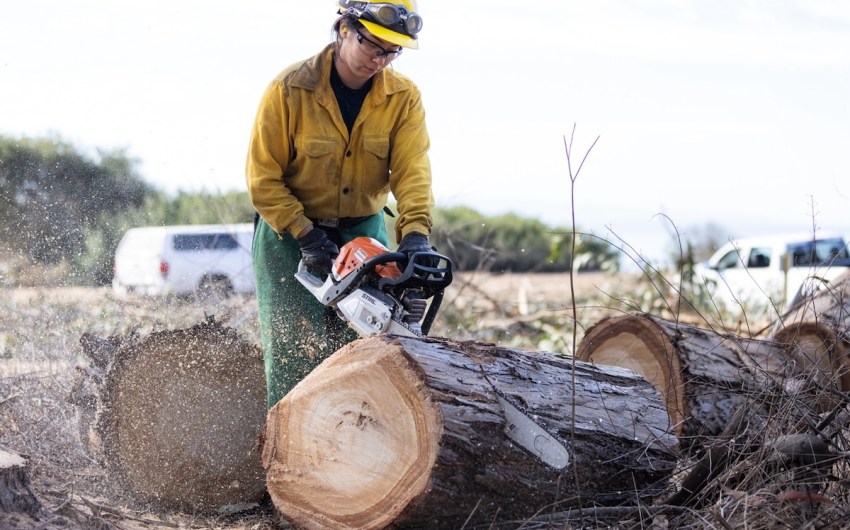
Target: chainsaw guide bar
[{"x": 523, "y": 430}]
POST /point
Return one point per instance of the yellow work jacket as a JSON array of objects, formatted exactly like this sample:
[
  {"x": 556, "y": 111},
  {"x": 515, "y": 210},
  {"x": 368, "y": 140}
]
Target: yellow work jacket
[{"x": 302, "y": 163}]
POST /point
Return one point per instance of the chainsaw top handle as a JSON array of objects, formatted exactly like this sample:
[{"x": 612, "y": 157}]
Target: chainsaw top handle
[{"x": 428, "y": 271}]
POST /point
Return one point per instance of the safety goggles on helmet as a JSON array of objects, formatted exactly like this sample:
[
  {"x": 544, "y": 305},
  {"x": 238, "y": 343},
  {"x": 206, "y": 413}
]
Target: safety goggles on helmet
[{"x": 391, "y": 16}]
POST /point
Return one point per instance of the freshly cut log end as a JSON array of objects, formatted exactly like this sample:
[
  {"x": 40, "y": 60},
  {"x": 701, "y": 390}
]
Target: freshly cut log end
[
  {"x": 365, "y": 448},
  {"x": 815, "y": 334},
  {"x": 822, "y": 359},
  {"x": 639, "y": 345},
  {"x": 180, "y": 418}
]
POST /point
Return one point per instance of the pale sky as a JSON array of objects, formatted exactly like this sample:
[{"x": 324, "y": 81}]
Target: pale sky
[{"x": 732, "y": 112}]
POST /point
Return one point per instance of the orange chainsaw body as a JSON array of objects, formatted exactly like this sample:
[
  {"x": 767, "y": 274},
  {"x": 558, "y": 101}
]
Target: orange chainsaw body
[{"x": 356, "y": 252}]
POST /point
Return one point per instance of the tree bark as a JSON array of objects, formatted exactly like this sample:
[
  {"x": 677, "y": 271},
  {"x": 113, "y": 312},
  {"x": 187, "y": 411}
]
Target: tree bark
[
  {"x": 16, "y": 493},
  {"x": 704, "y": 376},
  {"x": 411, "y": 432},
  {"x": 176, "y": 417},
  {"x": 816, "y": 334}
]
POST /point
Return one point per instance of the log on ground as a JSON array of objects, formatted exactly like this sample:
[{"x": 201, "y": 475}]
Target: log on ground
[
  {"x": 412, "y": 432},
  {"x": 703, "y": 375},
  {"x": 178, "y": 415}
]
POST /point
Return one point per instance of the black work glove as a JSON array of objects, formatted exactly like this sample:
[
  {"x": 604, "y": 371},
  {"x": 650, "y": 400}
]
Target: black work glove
[
  {"x": 415, "y": 242},
  {"x": 317, "y": 251}
]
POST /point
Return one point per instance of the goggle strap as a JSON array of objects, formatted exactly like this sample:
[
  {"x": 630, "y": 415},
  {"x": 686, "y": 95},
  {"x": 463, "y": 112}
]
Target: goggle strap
[{"x": 405, "y": 19}]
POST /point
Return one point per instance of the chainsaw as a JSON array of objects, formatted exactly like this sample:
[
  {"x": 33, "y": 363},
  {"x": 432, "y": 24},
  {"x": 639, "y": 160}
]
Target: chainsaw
[{"x": 377, "y": 291}]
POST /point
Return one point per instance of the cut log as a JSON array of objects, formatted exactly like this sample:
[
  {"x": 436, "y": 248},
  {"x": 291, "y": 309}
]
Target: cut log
[
  {"x": 178, "y": 415},
  {"x": 816, "y": 334},
  {"x": 16, "y": 493},
  {"x": 412, "y": 432},
  {"x": 704, "y": 376}
]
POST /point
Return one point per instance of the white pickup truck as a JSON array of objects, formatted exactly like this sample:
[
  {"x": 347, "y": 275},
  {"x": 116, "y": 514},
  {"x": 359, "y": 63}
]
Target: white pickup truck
[{"x": 771, "y": 273}]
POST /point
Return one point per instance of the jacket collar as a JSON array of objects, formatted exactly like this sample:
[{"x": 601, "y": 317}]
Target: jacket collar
[{"x": 314, "y": 74}]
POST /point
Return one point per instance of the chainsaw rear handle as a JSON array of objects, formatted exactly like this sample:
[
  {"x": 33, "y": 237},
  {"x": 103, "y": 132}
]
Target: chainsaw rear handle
[
  {"x": 314, "y": 280},
  {"x": 326, "y": 292}
]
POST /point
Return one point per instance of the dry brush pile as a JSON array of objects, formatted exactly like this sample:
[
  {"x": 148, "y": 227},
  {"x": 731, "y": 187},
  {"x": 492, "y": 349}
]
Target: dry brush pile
[{"x": 762, "y": 420}]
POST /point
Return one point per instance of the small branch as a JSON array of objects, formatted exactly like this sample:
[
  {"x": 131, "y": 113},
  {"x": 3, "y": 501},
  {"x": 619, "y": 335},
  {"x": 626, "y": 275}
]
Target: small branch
[
  {"x": 9, "y": 398},
  {"x": 573, "y": 176}
]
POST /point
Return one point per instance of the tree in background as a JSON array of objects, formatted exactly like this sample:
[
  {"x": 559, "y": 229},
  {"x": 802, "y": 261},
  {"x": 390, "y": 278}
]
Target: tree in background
[
  {"x": 511, "y": 243},
  {"x": 202, "y": 208},
  {"x": 702, "y": 241},
  {"x": 59, "y": 206},
  {"x": 592, "y": 253},
  {"x": 51, "y": 196},
  {"x": 62, "y": 209}
]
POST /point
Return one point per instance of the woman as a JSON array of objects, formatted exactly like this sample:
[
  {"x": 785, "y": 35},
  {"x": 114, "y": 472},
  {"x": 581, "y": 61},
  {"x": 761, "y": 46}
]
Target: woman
[{"x": 333, "y": 136}]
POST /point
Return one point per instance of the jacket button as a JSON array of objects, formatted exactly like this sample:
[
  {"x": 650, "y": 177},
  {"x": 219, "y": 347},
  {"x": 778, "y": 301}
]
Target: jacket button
[
  {"x": 345, "y": 190},
  {"x": 348, "y": 153}
]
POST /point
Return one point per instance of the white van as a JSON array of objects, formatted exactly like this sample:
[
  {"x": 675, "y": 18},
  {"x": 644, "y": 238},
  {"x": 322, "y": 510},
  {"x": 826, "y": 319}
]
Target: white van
[
  {"x": 184, "y": 259},
  {"x": 760, "y": 273}
]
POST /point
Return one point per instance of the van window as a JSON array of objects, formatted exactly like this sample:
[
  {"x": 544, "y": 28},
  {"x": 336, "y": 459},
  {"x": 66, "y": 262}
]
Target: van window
[
  {"x": 759, "y": 258},
  {"x": 195, "y": 242},
  {"x": 801, "y": 254},
  {"x": 817, "y": 252}
]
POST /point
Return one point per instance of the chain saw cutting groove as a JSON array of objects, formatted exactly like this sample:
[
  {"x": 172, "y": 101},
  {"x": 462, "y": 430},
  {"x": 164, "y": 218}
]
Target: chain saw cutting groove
[{"x": 377, "y": 291}]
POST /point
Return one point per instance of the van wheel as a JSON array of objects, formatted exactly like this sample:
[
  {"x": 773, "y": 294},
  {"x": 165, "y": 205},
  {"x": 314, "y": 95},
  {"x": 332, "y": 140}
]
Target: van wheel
[{"x": 214, "y": 287}]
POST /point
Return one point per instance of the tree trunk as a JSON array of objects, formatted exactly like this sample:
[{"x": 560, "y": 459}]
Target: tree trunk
[
  {"x": 16, "y": 494},
  {"x": 176, "y": 417},
  {"x": 412, "y": 432},
  {"x": 816, "y": 334},
  {"x": 704, "y": 376}
]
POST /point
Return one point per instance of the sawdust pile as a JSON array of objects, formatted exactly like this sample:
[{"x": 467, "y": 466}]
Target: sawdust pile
[{"x": 40, "y": 352}]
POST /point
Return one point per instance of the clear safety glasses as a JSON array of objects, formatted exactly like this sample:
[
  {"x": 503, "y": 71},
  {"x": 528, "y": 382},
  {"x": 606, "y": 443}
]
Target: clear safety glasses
[
  {"x": 390, "y": 16},
  {"x": 374, "y": 49}
]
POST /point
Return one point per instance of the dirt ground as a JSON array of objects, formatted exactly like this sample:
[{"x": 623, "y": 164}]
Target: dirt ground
[{"x": 40, "y": 331}]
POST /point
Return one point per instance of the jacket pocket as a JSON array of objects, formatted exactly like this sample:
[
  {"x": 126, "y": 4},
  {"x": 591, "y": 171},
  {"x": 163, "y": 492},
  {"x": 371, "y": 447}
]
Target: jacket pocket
[
  {"x": 376, "y": 164},
  {"x": 316, "y": 147},
  {"x": 316, "y": 163}
]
